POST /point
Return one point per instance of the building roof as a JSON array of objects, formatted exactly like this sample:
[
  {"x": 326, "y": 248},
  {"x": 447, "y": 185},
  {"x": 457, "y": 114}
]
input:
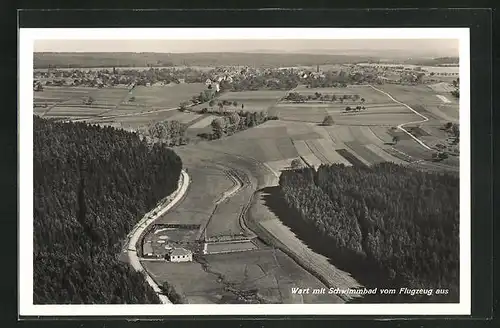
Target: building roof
[{"x": 180, "y": 252}]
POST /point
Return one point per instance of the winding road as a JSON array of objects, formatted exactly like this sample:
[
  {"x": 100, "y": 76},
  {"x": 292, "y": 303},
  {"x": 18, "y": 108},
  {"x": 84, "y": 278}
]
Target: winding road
[{"x": 147, "y": 220}]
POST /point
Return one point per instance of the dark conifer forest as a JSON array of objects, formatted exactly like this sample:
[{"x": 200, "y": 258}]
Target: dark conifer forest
[
  {"x": 396, "y": 220},
  {"x": 91, "y": 185}
]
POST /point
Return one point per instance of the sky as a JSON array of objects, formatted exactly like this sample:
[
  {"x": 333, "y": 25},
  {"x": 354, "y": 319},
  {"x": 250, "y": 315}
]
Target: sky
[{"x": 435, "y": 47}]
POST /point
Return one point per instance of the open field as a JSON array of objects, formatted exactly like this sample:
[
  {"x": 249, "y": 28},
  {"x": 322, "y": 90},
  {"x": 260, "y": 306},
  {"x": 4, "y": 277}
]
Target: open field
[
  {"x": 267, "y": 215},
  {"x": 141, "y": 120},
  {"x": 380, "y": 110},
  {"x": 364, "y": 154},
  {"x": 442, "y": 87},
  {"x": 428, "y": 69},
  {"x": 370, "y": 96},
  {"x": 170, "y": 95},
  {"x": 386, "y": 156},
  {"x": 265, "y": 275},
  {"x": 425, "y": 100},
  {"x": 198, "y": 204},
  {"x": 74, "y": 111},
  {"x": 114, "y": 105},
  {"x": 189, "y": 279},
  {"x": 253, "y": 100},
  {"x": 206, "y": 121},
  {"x": 225, "y": 219},
  {"x": 306, "y": 153},
  {"x": 228, "y": 247},
  {"x": 291, "y": 112},
  {"x": 269, "y": 271}
]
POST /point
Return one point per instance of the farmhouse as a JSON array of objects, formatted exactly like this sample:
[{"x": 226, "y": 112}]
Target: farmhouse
[{"x": 180, "y": 255}]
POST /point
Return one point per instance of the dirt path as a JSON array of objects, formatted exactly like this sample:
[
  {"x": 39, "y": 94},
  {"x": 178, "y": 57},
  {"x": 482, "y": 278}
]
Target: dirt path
[
  {"x": 142, "y": 225},
  {"x": 400, "y": 126},
  {"x": 237, "y": 185}
]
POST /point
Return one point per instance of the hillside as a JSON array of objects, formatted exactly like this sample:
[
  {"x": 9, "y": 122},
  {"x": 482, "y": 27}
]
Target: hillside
[
  {"x": 388, "y": 220},
  {"x": 123, "y": 59},
  {"x": 91, "y": 185}
]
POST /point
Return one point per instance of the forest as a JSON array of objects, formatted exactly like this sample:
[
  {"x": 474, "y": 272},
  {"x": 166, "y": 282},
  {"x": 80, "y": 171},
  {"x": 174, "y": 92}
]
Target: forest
[
  {"x": 91, "y": 185},
  {"x": 398, "y": 221}
]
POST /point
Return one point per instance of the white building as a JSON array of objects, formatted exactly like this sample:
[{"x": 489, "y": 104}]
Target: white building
[{"x": 180, "y": 255}]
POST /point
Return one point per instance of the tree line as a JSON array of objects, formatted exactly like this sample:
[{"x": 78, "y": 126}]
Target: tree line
[
  {"x": 456, "y": 85},
  {"x": 317, "y": 96},
  {"x": 402, "y": 222},
  {"x": 172, "y": 133},
  {"x": 91, "y": 185},
  {"x": 231, "y": 122}
]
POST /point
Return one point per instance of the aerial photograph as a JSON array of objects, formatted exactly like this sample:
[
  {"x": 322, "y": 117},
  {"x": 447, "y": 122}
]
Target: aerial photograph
[{"x": 246, "y": 171}]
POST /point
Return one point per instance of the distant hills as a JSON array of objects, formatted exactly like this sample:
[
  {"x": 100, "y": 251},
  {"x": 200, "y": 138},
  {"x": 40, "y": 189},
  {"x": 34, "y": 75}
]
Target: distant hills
[{"x": 260, "y": 59}]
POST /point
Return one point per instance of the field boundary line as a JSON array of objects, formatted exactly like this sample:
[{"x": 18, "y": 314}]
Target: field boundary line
[
  {"x": 61, "y": 103},
  {"x": 122, "y": 100},
  {"x": 400, "y": 126}
]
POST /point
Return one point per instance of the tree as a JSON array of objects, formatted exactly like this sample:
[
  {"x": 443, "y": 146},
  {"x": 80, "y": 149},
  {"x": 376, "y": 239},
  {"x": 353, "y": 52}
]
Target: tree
[
  {"x": 363, "y": 100},
  {"x": 296, "y": 164},
  {"x": 88, "y": 101},
  {"x": 328, "y": 120},
  {"x": 348, "y": 109},
  {"x": 448, "y": 125},
  {"x": 218, "y": 126},
  {"x": 235, "y": 103},
  {"x": 38, "y": 87},
  {"x": 442, "y": 155},
  {"x": 395, "y": 139},
  {"x": 234, "y": 118},
  {"x": 242, "y": 106},
  {"x": 455, "y": 129},
  {"x": 211, "y": 103},
  {"x": 183, "y": 106}
]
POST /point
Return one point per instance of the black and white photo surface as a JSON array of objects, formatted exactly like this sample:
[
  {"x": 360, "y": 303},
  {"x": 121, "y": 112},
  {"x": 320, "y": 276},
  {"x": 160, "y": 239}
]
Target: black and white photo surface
[{"x": 244, "y": 171}]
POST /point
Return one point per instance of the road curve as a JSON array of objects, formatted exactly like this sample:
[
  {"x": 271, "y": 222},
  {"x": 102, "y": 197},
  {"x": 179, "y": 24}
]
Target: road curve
[
  {"x": 400, "y": 126},
  {"x": 142, "y": 225},
  {"x": 237, "y": 185}
]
